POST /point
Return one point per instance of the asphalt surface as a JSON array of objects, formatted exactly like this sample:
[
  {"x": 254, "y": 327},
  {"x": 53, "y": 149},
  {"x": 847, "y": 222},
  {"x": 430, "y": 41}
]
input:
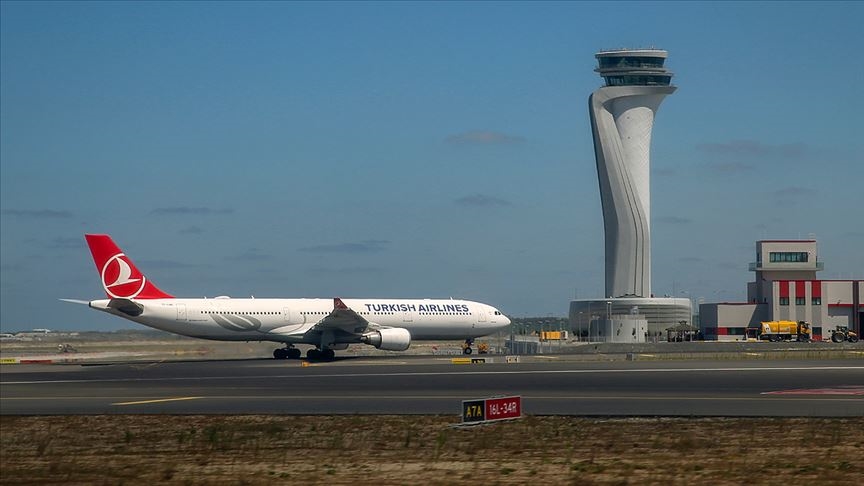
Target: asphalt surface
[{"x": 434, "y": 385}]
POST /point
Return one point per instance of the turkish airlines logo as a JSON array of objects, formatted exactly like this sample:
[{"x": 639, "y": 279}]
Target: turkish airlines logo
[{"x": 118, "y": 280}]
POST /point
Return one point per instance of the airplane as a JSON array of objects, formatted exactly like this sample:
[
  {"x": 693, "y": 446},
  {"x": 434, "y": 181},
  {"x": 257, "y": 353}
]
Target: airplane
[{"x": 329, "y": 325}]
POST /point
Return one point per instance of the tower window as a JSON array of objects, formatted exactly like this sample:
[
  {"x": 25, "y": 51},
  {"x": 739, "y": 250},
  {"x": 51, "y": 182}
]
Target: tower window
[{"x": 788, "y": 256}]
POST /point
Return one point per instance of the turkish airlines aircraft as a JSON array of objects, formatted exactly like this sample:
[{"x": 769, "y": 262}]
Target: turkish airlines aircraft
[{"x": 327, "y": 324}]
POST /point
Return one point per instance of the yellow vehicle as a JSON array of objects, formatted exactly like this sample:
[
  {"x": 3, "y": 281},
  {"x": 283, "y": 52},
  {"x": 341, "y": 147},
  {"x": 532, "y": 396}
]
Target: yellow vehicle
[
  {"x": 553, "y": 335},
  {"x": 482, "y": 348},
  {"x": 775, "y": 331}
]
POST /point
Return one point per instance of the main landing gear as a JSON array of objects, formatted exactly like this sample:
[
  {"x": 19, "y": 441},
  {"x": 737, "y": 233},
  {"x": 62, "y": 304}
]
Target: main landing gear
[
  {"x": 320, "y": 354},
  {"x": 288, "y": 352},
  {"x": 466, "y": 347}
]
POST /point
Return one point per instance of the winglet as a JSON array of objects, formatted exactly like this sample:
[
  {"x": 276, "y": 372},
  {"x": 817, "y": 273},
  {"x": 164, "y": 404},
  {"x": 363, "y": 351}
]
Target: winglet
[
  {"x": 121, "y": 279},
  {"x": 339, "y": 305}
]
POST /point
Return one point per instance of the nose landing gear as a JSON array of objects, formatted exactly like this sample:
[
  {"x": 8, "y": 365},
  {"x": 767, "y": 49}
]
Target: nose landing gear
[{"x": 466, "y": 346}]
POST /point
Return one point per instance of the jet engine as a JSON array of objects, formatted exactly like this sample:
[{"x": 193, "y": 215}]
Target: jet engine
[{"x": 388, "y": 339}]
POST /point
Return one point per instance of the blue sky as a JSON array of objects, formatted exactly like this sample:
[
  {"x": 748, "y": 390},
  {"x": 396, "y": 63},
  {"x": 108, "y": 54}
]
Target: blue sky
[{"x": 411, "y": 149}]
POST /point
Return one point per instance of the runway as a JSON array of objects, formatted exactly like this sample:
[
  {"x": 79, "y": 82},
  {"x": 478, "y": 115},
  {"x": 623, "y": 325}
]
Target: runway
[{"x": 428, "y": 385}]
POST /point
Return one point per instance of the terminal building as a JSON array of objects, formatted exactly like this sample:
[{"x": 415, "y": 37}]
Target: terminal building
[
  {"x": 622, "y": 118},
  {"x": 786, "y": 287}
]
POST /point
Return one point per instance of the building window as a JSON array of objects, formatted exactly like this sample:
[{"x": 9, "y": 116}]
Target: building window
[
  {"x": 800, "y": 301},
  {"x": 631, "y": 80},
  {"x": 784, "y": 300},
  {"x": 631, "y": 61},
  {"x": 817, "y": 300},
  {"x": 788, "y": 257}
]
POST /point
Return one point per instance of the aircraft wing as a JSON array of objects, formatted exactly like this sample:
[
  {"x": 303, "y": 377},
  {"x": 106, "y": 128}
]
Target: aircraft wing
[{"x": 342, "y": 318}]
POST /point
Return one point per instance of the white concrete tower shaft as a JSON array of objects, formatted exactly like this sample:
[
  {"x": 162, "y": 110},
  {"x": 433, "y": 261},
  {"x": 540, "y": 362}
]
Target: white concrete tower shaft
[{"x": 622, "y": 118}]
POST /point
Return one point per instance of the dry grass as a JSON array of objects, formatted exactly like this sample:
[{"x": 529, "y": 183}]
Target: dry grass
[{"x": 255, "y": 449}]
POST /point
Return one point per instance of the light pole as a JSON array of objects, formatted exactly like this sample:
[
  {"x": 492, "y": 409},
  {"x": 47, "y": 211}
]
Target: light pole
[{"x": 608, "y": 316}]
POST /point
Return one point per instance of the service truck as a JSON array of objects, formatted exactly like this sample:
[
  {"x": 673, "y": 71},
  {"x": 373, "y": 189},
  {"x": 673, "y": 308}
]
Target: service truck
[{"x": 775, "y": 331}]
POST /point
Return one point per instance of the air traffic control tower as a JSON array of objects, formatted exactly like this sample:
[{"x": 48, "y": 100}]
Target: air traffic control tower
[{"x": 622, "y": 117}]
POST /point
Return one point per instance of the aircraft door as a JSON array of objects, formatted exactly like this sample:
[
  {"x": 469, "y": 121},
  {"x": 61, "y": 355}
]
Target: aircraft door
[
  {"x": 293, "y": 317},
  {"x": 181, "y": 312}
]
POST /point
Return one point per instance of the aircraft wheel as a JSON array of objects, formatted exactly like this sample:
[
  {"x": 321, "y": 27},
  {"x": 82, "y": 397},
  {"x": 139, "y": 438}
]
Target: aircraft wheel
[
  {"x": 313, "y": 354},
  {"x": 467, "y": 350},
  {"x": 328, "y": 354},
  {"x": 280, "y": 353},
  {"x": 294, "y": 353}
]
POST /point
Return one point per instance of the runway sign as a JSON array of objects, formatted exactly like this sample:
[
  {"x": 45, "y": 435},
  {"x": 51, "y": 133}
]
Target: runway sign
[
  {"x": 468, "y": 360},
  {"x": 491, "y": 409}
]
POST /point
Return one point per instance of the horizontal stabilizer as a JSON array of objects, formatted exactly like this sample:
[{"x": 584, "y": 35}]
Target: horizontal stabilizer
[
  {"x": 77, "y": 301},
  {"x": 126, "y": 306}
]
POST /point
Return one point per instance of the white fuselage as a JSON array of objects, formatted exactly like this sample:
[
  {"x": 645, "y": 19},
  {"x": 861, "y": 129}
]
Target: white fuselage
[{"x": 289, "y": 320}]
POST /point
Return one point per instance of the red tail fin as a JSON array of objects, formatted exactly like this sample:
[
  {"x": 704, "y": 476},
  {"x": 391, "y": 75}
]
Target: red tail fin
[{"x": 120, "y": 277}]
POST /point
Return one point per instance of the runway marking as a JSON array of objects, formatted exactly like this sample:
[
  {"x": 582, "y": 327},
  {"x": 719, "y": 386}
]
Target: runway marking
[
  {"x": 452, "y": 371},
  {"x": 842, "y": 390},
  {"x": 159, "y": 400}
]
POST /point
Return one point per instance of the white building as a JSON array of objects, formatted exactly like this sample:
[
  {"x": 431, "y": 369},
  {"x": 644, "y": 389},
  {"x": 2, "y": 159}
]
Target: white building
[
  {"x": 786, "y": 287},
  {"x": 622, "y": 118}
]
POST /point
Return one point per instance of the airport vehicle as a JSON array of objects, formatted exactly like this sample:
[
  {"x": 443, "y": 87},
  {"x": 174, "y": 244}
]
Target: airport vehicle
[
  {"x": 482, "y": 348},
  {"x": 842, "y": 333},
  {"x": 553, "y": 335},
  {"x": 775, "y": 331},
  {"x": 327, "y": 324}
]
